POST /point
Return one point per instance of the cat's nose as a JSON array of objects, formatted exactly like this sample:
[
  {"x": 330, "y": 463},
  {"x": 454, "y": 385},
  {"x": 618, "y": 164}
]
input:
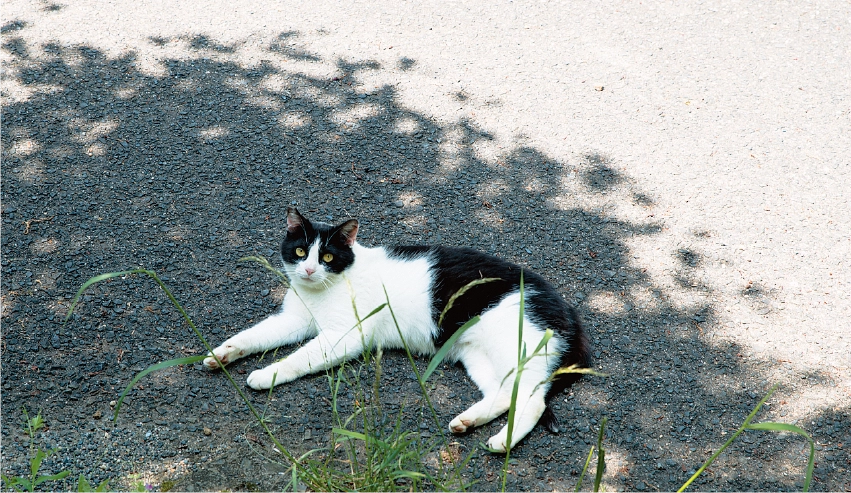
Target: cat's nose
[{"x": 309, "y": 271}]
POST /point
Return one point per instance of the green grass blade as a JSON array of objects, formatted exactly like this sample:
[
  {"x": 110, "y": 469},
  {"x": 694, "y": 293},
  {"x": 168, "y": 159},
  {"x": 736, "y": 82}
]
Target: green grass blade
[
  {"x": 159, "y": 366},
  {"x": 728, "y": 442},
  {"x": 407, "y": 474},
  {"x": 94, "y": 280},
  {"x": 373, "y": 312},
  {"x": 35, "y": 462},
  {"x": 265, "y": 263},
  {"x": 772, "y": 426},
  {"x": 460, "y": 293},
  {"x": 269, "y": 395},
  {"x": 350, "y": 434},
  {"x": 584, "y": 469},
  {"x": 512, "y": 408},
  {"x": 33, "y": 424},
  {"x": 83, "y": 484},
  {"x": 52, "y": 477},
  {"x": 544, "y": 340},
  {"x": 601, "y": 455},
  {"x": 16, "y": 483},
  {"x": 444, "y": 350}
]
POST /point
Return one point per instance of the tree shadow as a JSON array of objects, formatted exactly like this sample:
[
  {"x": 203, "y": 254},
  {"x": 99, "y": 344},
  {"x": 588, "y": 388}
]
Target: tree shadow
[{"x": 186, "y": 171}]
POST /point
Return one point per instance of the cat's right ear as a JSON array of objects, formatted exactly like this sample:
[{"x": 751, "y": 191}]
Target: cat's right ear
[{"x": 295, "y": 220}]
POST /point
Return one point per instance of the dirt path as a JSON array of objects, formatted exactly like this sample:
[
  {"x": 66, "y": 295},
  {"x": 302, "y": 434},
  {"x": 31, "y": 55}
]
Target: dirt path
[{"x": 681, "y": 172}]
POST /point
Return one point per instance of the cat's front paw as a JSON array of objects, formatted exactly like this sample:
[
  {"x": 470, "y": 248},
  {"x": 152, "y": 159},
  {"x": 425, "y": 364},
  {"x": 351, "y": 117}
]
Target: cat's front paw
[
  {"x": 226, "y": 354},
  {"x": 262, "y": 379},
  {"x": 459, "y": 425}
]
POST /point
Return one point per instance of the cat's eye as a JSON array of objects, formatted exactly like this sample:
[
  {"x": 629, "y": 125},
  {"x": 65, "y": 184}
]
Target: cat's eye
[
  {"x": 300, "y": 252},
  {"x": 327, "y": 257}
]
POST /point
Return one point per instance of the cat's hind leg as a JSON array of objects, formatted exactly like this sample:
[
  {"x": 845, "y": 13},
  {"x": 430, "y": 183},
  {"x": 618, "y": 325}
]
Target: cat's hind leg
[
  {"x": 531, "y": 392},
  {"x": 496, "y": 395},
  {"x": 496, "y": 400},
  {"x": 528, "y": 411},
  {"x": 497, "y": 383},
  {"x": 493, "y": 366}
]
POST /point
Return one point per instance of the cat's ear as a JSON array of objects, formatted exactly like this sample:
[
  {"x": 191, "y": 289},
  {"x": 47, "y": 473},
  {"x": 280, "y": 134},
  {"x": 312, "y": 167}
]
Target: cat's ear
[
  {"x": 295, "y": 220},
  {"x": 348, "y": 231}
]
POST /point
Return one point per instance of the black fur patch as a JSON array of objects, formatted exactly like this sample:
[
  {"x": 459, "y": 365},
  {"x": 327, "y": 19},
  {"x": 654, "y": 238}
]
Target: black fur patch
[{"x": 454, "y": 268}]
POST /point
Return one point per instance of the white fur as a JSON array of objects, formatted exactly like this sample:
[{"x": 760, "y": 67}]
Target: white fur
[{"x": 319, "y": 307}]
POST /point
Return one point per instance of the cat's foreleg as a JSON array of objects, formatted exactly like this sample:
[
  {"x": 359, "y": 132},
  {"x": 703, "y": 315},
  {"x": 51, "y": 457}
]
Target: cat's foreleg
[
  {"x": 318, "y": 354},
  {"x": 277, "y": 330}
]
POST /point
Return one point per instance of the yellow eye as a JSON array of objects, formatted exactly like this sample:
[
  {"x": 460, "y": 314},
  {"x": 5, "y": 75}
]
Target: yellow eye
[
  {"x": 327, "y": 257},
  {"x": 300, "y": 252}
]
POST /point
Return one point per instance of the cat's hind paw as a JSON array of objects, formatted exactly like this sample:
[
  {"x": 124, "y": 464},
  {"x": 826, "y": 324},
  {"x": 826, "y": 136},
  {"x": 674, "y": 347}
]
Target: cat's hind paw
[
  {"x": 262, "y": 379},
  {"x": 226, "y": 354},
  {"x": 497, "y": 442}
]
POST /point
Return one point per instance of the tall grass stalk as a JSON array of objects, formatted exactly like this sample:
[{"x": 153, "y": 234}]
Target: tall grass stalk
[
  {"x": 601, "y": 461},
  {"x": 522, "y": 360},
  {"x": 765, "y": 426},
  {"x": 188, "y": 320},
  {"x": 601, "y": 455},
  {"x": 435, "y": 361},
  {"x": 584, "y": 470},
  {"x": 22, "y": 484}
]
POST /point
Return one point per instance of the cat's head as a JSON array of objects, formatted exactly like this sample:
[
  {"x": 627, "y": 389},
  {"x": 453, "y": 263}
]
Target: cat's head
[{"x": 315, "y": 253}]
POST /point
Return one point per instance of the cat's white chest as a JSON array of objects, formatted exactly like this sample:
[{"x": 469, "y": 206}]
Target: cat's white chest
[{"x": 377, "y": 282}]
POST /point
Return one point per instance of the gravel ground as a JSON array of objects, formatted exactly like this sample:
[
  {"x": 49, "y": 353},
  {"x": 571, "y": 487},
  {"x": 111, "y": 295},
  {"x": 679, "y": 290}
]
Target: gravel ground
[{"x": 679, "y": 171}]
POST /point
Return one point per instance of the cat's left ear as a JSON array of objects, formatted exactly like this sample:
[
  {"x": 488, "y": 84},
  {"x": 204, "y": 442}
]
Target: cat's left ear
[{"x": 349, "y": 231}]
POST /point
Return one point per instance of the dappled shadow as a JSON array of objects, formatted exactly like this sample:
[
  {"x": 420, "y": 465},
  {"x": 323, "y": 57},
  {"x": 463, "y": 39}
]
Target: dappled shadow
[
  {"x": 187, "y": 171},
  {"x": 12, "y": 26},
  {"x": 406, "y": 63},
  {"x": 600, "y": 176},
  {"x": 285, "y": 45}
]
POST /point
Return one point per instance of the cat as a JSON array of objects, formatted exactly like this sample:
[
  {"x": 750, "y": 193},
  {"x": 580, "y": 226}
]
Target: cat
[{"x": 327, "y": 267}]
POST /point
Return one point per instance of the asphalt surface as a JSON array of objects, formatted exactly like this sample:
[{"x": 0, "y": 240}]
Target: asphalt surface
[{"x": 680, "y": 173}]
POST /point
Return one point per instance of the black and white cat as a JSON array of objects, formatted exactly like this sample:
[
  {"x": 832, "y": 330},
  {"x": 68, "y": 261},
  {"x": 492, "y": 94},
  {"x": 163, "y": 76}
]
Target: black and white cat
[{"x": 327, "y": 268}]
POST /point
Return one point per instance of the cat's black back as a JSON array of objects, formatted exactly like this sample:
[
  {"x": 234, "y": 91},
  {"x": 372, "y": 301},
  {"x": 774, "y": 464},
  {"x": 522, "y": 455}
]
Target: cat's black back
[{"x": 455, "y": 267}]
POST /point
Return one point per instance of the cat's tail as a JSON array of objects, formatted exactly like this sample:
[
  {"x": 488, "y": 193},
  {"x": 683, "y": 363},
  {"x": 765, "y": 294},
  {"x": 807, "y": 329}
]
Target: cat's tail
[{"x": 578, "y": 353}]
